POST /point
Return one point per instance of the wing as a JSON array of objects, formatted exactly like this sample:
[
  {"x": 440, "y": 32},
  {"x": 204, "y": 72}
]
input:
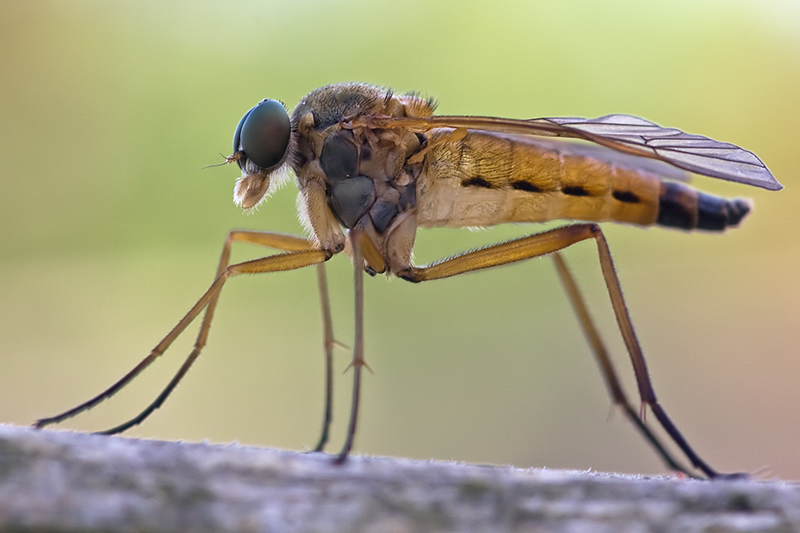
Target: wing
[{"x": 622, "y": 133}]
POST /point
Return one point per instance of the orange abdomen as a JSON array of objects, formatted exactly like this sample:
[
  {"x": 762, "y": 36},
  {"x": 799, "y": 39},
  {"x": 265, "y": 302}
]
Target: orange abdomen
[{"x": 486, "y": 179}]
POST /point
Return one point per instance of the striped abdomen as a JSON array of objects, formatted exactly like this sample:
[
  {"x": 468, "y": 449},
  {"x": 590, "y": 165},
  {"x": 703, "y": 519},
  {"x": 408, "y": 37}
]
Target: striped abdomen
[{"x": 486, "y": 179}]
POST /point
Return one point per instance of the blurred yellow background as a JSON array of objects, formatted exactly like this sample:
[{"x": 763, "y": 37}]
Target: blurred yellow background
[{"x": 109, "y": 232}]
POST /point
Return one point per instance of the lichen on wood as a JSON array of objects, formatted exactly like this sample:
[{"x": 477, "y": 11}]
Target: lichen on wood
[{"x": 64, "y": 481}]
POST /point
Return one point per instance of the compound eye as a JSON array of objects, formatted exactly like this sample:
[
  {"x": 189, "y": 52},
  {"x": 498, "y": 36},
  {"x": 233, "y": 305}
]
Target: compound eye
[{"x": 263, "y": 134}]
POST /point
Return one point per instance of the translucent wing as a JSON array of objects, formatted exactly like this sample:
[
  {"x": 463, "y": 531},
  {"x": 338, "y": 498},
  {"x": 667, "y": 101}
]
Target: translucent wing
[
  {"x": 622, "y": 133},
  {"x": 694, "y": 153},
  {"x": 609, "y": 157}
]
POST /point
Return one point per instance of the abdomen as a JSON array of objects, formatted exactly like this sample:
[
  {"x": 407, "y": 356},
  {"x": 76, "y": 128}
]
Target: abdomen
[{"x": 487, "y": 179}]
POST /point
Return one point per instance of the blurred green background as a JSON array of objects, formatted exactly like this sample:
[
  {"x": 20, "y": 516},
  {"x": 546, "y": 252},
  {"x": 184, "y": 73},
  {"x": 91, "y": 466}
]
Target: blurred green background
[{"x": 109, "y": 232}]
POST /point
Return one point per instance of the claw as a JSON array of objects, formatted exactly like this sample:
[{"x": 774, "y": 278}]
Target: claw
[
  {"x": 359, "y": 362},
  {"x": 339, "y": 345}
]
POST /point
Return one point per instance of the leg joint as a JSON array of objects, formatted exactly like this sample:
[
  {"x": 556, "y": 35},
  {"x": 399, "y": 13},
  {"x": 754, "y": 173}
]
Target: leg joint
[{"x": 410, "y": 274}]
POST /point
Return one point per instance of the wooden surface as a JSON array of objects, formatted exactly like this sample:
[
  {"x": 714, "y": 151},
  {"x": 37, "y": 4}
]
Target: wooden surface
[{"x": 64, "y": 481}]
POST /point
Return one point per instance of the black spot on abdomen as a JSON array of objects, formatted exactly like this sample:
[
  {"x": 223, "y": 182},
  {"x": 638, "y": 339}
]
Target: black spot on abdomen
[
  {"x": 625, "y": 196},
  {"x": 575, "y": 190},
  {"x": 522, "y": 185},
  {"x": 476, "y": 181}
]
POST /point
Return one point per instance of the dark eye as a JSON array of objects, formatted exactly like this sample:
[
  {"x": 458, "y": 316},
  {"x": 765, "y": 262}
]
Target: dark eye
[{"x": 263, "y": 134}]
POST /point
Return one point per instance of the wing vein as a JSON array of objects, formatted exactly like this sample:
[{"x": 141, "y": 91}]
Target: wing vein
[{"x": 622, "y": 133}]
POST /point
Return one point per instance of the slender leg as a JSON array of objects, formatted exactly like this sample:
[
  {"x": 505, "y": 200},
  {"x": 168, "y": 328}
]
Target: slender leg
[
  {"x": 606, "y": 367},
  {"x": 646, "y": 391},
  {"x": 287, "y": 243},
  {"x": 327, "y": 326},
  {"x": 554, "y": 241},
  {"x": 298, "y": 254},
  {"x": 358, "y": 349}
]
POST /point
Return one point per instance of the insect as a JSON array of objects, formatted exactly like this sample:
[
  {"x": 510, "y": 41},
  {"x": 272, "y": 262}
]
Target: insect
[{"x": 372, "y": 166}]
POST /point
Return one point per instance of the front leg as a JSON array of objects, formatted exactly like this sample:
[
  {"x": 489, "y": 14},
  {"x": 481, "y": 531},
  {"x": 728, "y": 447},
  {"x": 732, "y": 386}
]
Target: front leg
[{"x": 298, "y": 253}]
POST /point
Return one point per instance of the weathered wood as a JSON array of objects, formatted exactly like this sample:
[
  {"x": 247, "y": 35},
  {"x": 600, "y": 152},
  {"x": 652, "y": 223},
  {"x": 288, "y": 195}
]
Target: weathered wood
[{"x": 63, "y": 481}]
